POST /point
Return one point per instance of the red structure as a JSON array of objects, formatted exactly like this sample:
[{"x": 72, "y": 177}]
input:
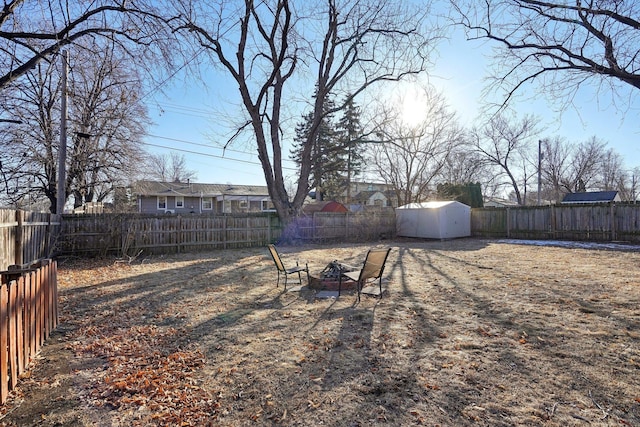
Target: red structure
[{"x": 330, "y": 206}]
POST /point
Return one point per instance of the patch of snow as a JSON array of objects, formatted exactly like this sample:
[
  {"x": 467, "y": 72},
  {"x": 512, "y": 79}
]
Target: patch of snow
[{"x": 574, "y": 244}]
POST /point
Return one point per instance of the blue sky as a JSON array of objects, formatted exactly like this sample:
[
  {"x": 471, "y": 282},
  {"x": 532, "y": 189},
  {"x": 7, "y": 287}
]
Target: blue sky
[{"x": 186, "y": 117}]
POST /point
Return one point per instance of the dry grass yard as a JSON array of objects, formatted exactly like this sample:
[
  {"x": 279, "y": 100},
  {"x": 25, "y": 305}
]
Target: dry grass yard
[{"x": 471, "y": 332}]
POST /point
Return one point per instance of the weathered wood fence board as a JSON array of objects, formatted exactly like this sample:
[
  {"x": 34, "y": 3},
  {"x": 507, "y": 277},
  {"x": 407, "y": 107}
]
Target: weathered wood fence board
[
  {"x": 26, "y": 236},
  {"x": 129, "y": 234},
  {"x": 28, "y": 315},
  {"x": 594, "y": 222}
]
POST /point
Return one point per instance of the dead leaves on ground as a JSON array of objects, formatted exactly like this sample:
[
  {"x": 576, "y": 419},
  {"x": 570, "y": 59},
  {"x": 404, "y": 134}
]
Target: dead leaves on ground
[{"x": 149, "y": 377}]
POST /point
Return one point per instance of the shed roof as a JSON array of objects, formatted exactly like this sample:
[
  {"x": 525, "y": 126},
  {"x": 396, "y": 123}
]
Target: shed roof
[
  {"x": 591, "y": 197},
  {"x": 432, "y": 205}
]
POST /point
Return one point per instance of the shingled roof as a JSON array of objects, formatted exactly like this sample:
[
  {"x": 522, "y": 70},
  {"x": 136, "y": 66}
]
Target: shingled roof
[
  {"x": 592, "y": 197},
  {"x": 187, "y": 189}
]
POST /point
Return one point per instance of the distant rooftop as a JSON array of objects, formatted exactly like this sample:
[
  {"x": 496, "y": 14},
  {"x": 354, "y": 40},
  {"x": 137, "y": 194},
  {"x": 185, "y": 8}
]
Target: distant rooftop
[
  {"x": 158, "y": 188},
  {"x": 592, "y": 197}
]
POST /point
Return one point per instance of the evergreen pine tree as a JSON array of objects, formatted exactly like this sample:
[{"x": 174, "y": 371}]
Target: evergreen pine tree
[
  {"x": 350, "y": 133},
  {"x": 336, "y": 155},
  {"x": 323, "y": 158}
]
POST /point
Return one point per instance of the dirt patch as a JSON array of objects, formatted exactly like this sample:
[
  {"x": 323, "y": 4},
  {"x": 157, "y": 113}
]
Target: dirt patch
[{"x": 470, "y": 332}]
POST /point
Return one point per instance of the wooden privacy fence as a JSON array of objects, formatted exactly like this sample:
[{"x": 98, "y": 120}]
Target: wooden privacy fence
[
  {"x": 594, "y": 222},
  {"x": 28, "y": 314},
  {"x": 130, "y": 234},
  {"x": 368, "y": 225},
  {"x": 26, "y": 236}
]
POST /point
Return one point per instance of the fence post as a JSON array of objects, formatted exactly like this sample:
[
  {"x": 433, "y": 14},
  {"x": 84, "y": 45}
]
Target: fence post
[
  {"x": 4, "y": 351},
  {"x": 224, "y": 231},
  {"x": 179, "y": 239},
  {"x": 554, "y": 223},
  {"x": 613, "y": 220},
  {"x": 508, "y": 223}
]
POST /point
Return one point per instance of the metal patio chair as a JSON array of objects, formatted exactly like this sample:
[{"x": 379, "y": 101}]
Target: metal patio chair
[
  {"x": 287, "y": 271},
  {"x": 372, "y": 269}
]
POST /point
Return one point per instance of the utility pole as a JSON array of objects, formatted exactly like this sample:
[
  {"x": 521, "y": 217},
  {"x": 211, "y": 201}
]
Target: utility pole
[{"x": 62, "y": 151}]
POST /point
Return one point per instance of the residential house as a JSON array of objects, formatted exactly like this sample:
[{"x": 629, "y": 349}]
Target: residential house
[
  {"x": 191, "y": 197},
  {"x": 496, "y": 202},
  {"x": 371, "y": 194},
  {"x": 592, "y": 197}
]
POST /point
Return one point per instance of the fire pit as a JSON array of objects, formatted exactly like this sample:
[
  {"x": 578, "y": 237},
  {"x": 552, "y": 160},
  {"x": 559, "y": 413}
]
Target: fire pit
[{"x": 329, "y": 278}]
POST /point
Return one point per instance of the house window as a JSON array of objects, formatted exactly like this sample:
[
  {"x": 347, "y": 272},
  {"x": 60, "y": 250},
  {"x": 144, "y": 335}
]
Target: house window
[
  {"x": 267, "y": 206},
  {"x": 207, "y": 203},
  {"x": 179, "y": 202},
  {"x": 242, "y": 204},
  {"x": 162, "y": 202},
  {"x": 378, "y": 202}
]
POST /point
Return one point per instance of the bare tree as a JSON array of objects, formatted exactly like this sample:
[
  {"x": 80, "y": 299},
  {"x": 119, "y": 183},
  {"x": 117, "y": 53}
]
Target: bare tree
[
  {"x": 341, "y": 47},
  {"x": 586, "y": 166},
  {"x": 556, "y": 158},
  {"x": 106, "y": 121},
  {"x": 464, "y": 165},
  {"x": 410, "y": 158},
  {"x": 30, "y": 149},
  {"x": 629, "y": 185},
  {"x": 557, "y": 44},
  {"x": 169, "y": 168},
  {"x": 505, "y": 144},
  {"x": 32, "y": 31}
]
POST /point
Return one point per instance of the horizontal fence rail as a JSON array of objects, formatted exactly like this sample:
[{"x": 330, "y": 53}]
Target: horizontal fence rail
[
  {"x": 92, "y": 235},
  {"x": 592, "y": 222},
  {"x": 28, "y": 315},
  {"x": 367, "y": 225},
  {"x": 130, "y": 234}
]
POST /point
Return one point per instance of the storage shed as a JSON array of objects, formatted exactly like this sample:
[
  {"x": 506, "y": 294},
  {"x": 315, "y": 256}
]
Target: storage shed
[{"x": 434, "y": 220}]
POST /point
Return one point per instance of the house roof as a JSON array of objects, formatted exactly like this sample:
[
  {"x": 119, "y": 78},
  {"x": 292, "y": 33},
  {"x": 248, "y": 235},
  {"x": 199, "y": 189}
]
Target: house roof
[
  {"x": 591, "y": 197},
  {"x": 364, "y": 196},
  {"x": 192, "y": 189},
  {"x": 327, "y": 206}
]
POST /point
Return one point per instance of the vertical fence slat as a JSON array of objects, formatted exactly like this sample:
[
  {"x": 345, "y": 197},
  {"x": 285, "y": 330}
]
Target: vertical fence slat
[
  {"x": 39, "y": 310},
  {"x": 26, "y": 304},
  {"x": 13, "y": 344},
  {"x": 4, "y": 355},
  {"x": 20, "y": 324},
  {"x": 32, "y": 315}
]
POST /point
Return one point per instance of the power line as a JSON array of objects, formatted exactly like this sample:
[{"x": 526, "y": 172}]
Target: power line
[
  {"x": 210, "y": 155},
  {"x": 184, "y": 141}
]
